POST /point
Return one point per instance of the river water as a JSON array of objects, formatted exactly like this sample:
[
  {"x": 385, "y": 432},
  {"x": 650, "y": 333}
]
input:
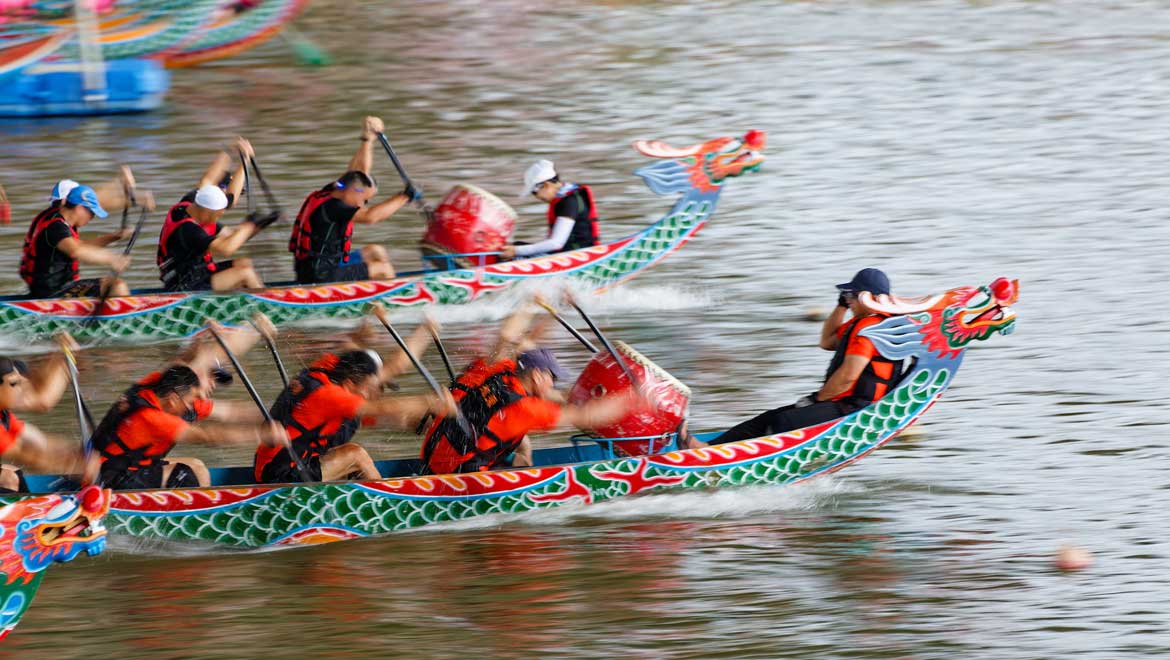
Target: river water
[{"x": 946, "y": 142}]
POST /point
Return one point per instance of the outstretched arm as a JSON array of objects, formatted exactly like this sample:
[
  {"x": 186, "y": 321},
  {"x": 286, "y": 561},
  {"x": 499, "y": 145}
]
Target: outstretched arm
[
  {"x": 404, "y": 412},
  {"x": 599, "y": 412},
  {"x": 92, "y": 254},
  {"x": 369, "y": 215},
  {"x": 216, "y": 170},
  {"x": 230, "y": 240},
  {"x": 35, "y": 451}
]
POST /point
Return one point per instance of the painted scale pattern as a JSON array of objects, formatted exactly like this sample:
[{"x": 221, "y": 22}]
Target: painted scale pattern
[
  {"x": 306, "y": 514},
  {"x": 161, "y": 316},
  {"x": 932, "y": 332}
]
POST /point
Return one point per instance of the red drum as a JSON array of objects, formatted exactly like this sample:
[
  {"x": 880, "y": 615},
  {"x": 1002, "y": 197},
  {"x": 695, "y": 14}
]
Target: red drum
[
  {"x": 469, "y": 219},
  {"x": 602, "y": 377}
]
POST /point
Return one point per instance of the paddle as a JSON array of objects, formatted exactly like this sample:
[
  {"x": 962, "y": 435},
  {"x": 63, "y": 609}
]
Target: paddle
[
  {"x": 442, "y": 353},
  {"x": 105, "y": 295},
  {"x": 275, "y": 355},
  {"x": 573, "y": 331},
  {"x": 255, "y": 217},
  {"x": 605, "y": 342},
  {"x": 301, "y": 468},
  {"x": 464, "y": 425},
  {"x": 426, "y": 210},
  {"x": 84, "y": 419}
]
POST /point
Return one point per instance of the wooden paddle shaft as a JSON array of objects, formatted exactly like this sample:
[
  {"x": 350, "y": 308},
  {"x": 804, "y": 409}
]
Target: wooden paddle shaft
[{"x": 573, "y": 331}]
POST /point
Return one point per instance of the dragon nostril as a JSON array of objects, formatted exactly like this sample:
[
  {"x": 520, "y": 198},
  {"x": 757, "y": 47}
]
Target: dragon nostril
[
  {"x": 90, "y": 498},
  {"x": 1001, "y": 288}
]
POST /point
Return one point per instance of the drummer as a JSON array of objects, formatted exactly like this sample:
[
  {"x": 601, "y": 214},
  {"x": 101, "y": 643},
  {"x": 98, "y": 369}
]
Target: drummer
[
  {"x": 320, "y": 241},
  {"x": 167, "y": 408},
  {"x": 858, "y": 374},
  {"x": 504, "y": 397},
  {"x": 192, "y": 236},
  {"x": 22, "y": 443},
  {"x": 324, "y": 406},
  {"x": 572, "y": 214}
]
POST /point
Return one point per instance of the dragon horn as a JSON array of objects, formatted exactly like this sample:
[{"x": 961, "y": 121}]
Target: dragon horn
[
  {"x": 660, "y": 149},
  {"x": 894, "y": 305}
]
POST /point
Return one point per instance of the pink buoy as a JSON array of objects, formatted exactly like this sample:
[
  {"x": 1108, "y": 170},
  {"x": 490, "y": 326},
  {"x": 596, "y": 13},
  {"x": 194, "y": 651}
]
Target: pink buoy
[
  {"x": 603, "y": 377},
  {"x": 469, "y": 219},
  {"x": 1072, "y": 558}
]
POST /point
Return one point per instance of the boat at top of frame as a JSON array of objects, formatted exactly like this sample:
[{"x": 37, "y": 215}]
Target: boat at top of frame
[{"x": 697, "y": 174}]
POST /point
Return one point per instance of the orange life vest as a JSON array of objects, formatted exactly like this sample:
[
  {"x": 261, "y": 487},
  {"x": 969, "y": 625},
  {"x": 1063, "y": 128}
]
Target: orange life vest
[
  {"x": 305, "y": 243},
  {"x": 179, "y": 263},
  {"x": 481, "y": 393},
  {"x": 28, "y": 254}
]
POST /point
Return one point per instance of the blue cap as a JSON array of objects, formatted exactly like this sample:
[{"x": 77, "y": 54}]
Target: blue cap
[
  {"x": 541, "y": 358},
  {"x": 85, "y": 196},
  {"x": 868, "y": 279}
]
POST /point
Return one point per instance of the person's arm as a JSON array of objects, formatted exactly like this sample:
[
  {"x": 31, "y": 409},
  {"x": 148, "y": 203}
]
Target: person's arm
[
  {"x": 236, "y": 412},
  {"x": 205, "y": 353},
  {"x": 225, "y": 434},
  {"x": 418, "y": 342},
  {"x": 91, "y": 254},
  {"x": 404, "y": 412},
  {"x": 216, "y": 170},
  {"x": 229, "y": 240},
  {"x": 369, "y": 215},
  {"x": 34, "y": 451},
  {"x": 236, "y": 187},
  {"x": 363, "y": 160},
  {"x": 46, "y": 386},
  {"x": 512, "y": 333},
  {"x": 843, "y": 378},
  {"x": 556, "y": 240},
  {"x": 829, "y": 338},
  {"x": 112, "y": 194},
  {"x": 598, "y": 412}
]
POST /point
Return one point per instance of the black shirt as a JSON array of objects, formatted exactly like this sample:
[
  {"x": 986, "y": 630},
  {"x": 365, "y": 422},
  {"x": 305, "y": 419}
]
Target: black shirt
[
  {"x": 54, "y": 269},
  {"x": 329, "y": 224},
  {"x": 188, "y": 242},
  {"x": 575, "y": 205}
]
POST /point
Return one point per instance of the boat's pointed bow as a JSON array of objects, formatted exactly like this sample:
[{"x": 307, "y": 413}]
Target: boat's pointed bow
[{"x": 702, "y": 167}]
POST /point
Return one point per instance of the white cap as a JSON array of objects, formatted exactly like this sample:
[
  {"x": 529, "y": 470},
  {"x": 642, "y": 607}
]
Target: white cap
[
  {"x": 538, "y": 172},
  {"x": 211, "y": 198},
  {"x": 375, "y": 357},
  {"x": 61, "y": 190}
]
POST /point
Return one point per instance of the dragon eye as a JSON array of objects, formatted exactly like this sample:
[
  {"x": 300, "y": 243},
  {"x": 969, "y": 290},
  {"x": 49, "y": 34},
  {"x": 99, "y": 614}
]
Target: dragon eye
[{"x": 979, "y": 298}]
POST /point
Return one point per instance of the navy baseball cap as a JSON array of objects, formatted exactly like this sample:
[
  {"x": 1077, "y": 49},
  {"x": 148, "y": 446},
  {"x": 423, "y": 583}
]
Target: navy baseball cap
[
  {"x": 86, "y": 197},
  {"x": 868, "y": 279},
  {"x": 541, "y": 358}
]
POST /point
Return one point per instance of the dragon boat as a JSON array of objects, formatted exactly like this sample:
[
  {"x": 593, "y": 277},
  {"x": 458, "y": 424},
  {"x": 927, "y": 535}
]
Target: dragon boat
[
  {"x": 932, "y": 334},
  {"x": 40, "y": 531},
  {"x": 697, "y": 174}
]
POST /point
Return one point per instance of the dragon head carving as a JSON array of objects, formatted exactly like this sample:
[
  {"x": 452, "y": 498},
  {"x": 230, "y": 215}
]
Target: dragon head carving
[
  {"x": 942, "y": 326},
  {"x": 38, "y": 531},
  {"x": 703, "y": 167}
]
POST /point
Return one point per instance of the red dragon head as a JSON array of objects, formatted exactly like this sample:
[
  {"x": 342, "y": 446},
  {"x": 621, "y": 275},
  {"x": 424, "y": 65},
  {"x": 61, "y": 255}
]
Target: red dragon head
[
  {"x": 703, "y": 167},
  {"x": 38, "y": 531},
  {"x": 943, "y": 325}
]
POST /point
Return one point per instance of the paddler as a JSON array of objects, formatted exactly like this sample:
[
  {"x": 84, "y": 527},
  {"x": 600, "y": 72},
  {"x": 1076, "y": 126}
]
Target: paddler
[
  {"x": 857, "y": 376},
  {"x": 22, "y": 443},
  {"x": 324, "y": 406},
  {"x": 52, "y": 250},
  {"x": 192, "y": 236},
  {"x": 166, "y": 408},
  {"x": 320, "y": 241},
  {"x": 572, "y": 214},
  {"x": 505, "y": 397}
]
